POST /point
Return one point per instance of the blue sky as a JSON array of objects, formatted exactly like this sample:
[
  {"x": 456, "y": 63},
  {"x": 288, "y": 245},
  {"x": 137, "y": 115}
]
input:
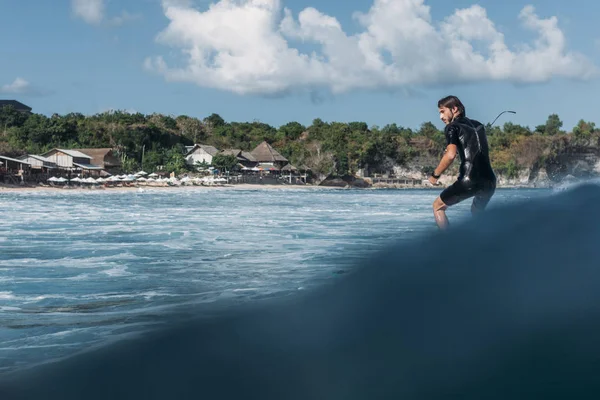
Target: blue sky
[{"x": 89, "y": 56}]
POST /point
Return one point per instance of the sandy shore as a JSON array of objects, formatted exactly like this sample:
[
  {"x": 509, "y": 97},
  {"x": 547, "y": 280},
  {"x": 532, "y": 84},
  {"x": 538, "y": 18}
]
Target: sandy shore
[
  {"x": 241, "y": 186},
  {"x": 79, "y": 189}
]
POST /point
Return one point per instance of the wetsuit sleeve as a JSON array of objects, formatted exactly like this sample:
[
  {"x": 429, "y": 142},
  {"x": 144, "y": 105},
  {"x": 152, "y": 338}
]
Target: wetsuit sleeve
[{"x": 451, "y": 133}]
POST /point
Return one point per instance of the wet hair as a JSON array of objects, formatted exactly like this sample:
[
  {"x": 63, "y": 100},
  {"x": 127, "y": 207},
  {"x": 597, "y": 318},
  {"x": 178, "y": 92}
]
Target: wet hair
[{"x": 451, "y": 102}]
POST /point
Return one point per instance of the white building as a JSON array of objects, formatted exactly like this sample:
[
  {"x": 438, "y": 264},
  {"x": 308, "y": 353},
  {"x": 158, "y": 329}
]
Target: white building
[{"x": 200, "y": 153}]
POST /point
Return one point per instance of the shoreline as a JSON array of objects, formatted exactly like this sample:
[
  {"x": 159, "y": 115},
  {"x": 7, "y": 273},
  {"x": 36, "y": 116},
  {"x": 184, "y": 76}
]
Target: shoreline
[
  {"x": 136, "y": 188},
  {"x": 241, "y": 186}
]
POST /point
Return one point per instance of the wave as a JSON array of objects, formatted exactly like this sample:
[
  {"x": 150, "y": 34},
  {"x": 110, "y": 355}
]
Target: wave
[{"x": 504, "y": 305}]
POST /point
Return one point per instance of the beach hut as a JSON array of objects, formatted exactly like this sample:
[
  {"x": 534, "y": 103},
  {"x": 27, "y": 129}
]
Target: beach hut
[
  {"x": 73, "y": 161},
  {"x": 200, "y": 153},
  {"x": 12, "y": 170},
  {"x": 106, "y": 158}
]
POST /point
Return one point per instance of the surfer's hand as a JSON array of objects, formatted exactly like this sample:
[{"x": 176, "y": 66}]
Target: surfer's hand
[{"x": 433, "y": 181}]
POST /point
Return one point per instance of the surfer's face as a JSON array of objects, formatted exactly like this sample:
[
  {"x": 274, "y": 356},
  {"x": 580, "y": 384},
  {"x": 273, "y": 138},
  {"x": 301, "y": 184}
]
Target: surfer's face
[{"x": 447, "y": 115}]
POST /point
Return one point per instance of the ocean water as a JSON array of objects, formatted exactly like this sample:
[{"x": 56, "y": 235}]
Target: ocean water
[{"x": 81, "y": 269}]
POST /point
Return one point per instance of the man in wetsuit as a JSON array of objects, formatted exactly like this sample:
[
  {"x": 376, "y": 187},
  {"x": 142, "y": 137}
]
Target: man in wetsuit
[{"x": 467, "y": 138}]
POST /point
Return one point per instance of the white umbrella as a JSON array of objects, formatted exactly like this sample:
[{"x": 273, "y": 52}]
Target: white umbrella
[
  {"x": 142, "y": 179},
  {"x": 61, "y": 179},
  {"x": 142, "y": 173},
  {"x": 52, "y": 179},
  {"x": 153, "y": 175},
  {"x": 76, "y": 179}
]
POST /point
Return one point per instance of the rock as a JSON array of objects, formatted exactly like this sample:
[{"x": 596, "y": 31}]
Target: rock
[
  {"x": 346, "y": 181},
  {"x": 333, "y": 182}
]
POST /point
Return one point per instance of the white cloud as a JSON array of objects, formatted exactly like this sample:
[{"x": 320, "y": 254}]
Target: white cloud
[
  {"x": 91, "y": 11},
  {"x": 22, "y": 87},
  {"x": 246, "y": 46},
  {"x": 94, "y": 12},
  {"x": 18, "y": 86}
]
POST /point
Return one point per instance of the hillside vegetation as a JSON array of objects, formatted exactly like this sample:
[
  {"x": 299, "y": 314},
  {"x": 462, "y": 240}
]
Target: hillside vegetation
[{"x": 328, "y": 148}]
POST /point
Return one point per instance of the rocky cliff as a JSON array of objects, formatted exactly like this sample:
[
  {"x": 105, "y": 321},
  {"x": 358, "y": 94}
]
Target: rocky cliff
[{"x": 561, "y": 162}]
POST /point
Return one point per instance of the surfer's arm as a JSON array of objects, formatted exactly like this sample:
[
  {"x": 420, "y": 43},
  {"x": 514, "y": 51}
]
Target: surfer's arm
[{"x": 447, "y": 160}]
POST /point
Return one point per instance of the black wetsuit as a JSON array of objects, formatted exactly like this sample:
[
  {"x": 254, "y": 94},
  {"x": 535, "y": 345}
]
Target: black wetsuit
[{"x": 476, "y": 176}]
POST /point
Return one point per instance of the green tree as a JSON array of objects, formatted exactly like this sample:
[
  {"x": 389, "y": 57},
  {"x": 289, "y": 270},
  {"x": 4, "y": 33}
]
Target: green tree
[
  {"x": 175, "y": 160},
  {"x": 290, "y": 131},
  {"x": 584, "y": 130},
  {"x": 224, "y": 162},
  {"x": 551, "y": 127}
]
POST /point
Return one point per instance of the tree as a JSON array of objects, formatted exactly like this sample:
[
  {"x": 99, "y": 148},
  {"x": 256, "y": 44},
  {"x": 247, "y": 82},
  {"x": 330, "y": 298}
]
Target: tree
[
  {"x": 175, "y": 161},
  {"x": 291, "y": 131},
  {"x": 9, "y": 117},
  {"x": 191, "y": 128},
  {"x": 584, "y": 130},
  {"x": 214, "y": 120},
  {"x": 551, "y": 127},
  {"x": 224, "y": 162},
  {"x": 515, "y": 129}
]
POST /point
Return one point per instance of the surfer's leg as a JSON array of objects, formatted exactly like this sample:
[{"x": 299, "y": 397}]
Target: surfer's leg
[
  {"x": 452, "y": 195},
  {"x": 439, "y": 212},
  {"x": 482, "y": 198}
]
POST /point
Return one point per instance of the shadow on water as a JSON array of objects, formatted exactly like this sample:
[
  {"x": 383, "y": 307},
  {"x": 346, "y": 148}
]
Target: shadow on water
[{"x": 502, "y": 306}]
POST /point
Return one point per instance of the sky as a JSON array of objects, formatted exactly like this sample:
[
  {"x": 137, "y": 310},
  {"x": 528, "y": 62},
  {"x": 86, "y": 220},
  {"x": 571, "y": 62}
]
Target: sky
[{"x": 277, "y": 61}]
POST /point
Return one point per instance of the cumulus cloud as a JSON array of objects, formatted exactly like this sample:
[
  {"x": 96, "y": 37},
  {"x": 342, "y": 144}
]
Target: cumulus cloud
[
  {"x": 19, "y": 85},
  {"x": 91, "y": 11},
  {"x": 22, "y": 87},
  {"x": 247, "y": 47},
  {"x": 94, "y": 12}
]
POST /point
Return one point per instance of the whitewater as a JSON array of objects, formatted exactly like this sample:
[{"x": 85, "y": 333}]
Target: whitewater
[{"x": 80, "y": 269}]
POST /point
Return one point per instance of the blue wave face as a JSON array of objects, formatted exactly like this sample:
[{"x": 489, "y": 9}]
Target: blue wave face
[{"x": 505, "y": 305}]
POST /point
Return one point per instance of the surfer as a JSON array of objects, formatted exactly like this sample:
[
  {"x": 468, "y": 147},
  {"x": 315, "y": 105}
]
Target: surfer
[{"x": 467, "y": 138}]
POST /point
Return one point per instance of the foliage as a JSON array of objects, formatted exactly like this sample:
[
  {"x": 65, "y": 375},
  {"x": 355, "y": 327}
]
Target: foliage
[
  {"x": 224, "y": 162},
  {"x": 328, "y": 148}
]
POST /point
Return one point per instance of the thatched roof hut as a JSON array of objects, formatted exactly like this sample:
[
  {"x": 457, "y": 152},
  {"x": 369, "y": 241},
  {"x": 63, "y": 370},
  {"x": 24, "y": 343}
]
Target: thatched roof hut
[{"x": 264, "y": 153}]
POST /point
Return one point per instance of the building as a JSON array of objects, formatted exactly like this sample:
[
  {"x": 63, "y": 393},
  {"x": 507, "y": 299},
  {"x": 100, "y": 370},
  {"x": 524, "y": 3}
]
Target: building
[
  {"x": 201, "y": 153},
  {"x": 103, "y": 157},
  {"x": 245, "y": 159},
  {"x": 268, "y": 158},
  {"x": 73, "y": 160},
  {"x": 38, "y": 162},
  {"x": 12, "y": 170},
  {"x": 17, "y": 105}
]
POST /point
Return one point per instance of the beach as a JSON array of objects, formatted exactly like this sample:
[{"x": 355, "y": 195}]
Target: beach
[{"x": 62, "y": 189}]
